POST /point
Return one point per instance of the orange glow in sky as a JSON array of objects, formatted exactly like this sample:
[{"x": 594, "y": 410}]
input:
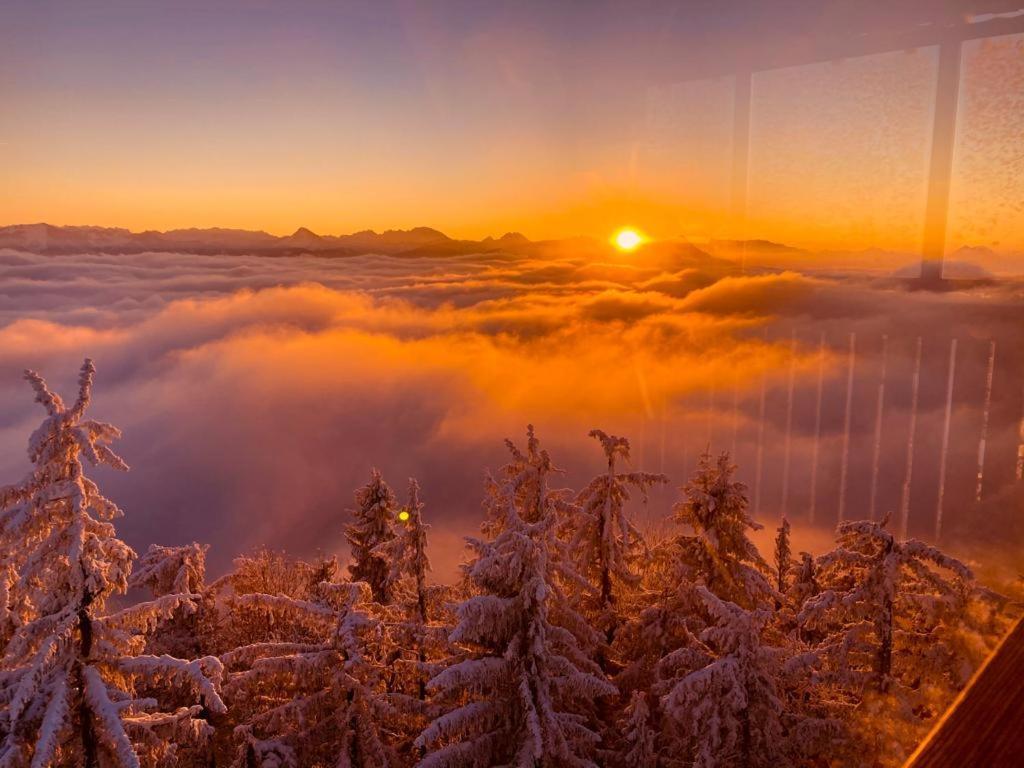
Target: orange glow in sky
[{"x": 477, "y": 123}]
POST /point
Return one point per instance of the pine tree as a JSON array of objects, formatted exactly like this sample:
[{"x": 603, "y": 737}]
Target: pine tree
[
  {"x": 406, "y": 552},
  {"x": 640, "y": 735},
  {"x": 723, "y": 699},
  {"x": 529, "y": 473},
  {"x": 309, "y": 692},
  {"x": 783, "y": 556},
  {"x": 406, "y": 555},
  {"x": 527, "y": 683},
  {"x": 75, "y": 689},
  {"x": 719, "y": 554},
  {"x": 172, "y": 570},
  {"x": 885, "y": 601},
  {"x": 606, "y": 544},
  {"x": 177, "y": 571},
  {"x": 805, "y": 583},
  {"x": 267, "y": 572},
  {"x": 901, "y": 626},
  {"x": 374, "y": 524}
]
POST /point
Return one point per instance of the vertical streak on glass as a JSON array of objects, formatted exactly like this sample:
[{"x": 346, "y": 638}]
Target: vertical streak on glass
[
  {"x": 908, "y": 476},
  {"x": 740, "y": 159},
  {"x": 1020, "y": 441},
  {"x": 789, "y": 424},
  {"x": 760, "y": 445},
  {"x": 711, "y": 415},
  {"x": 945, "y": 439},
  {"x": 879, "y": 410},
  {"x": 735, "y": 415},
  {"x": 845, "y": 468},
  {"x": 817, "y": 429},
  {"x": 662, "y": 487},
  {"x": 947, "y": 88},
  {"x": 984, "y": 420}
]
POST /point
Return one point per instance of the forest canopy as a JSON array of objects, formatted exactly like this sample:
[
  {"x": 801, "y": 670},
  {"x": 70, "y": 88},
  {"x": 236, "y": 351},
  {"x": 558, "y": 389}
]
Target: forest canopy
[{"x": 573, "y": 637}]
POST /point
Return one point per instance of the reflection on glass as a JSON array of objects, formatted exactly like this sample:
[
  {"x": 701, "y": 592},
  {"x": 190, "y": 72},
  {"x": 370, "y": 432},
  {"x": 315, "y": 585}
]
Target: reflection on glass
[{"x": 986, "y": 213}]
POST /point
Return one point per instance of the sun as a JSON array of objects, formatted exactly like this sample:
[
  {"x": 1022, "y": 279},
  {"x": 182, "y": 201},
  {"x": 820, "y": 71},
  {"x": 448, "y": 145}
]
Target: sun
[
  {"x": 404, "y": 515},
  {"x": 627, "y": 239}
]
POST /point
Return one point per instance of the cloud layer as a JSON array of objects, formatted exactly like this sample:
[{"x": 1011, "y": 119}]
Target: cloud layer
[{"x": 255, "y": 393}]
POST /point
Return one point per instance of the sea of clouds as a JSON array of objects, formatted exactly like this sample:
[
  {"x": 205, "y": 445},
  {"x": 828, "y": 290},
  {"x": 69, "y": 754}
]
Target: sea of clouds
[{"x": 256, "y": 393}]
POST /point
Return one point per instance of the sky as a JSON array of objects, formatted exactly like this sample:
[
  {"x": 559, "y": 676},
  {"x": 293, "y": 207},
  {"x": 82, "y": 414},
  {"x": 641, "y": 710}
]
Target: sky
[
  {"x": 477, "y": 118},
  {"x": 256, "y": 393}
]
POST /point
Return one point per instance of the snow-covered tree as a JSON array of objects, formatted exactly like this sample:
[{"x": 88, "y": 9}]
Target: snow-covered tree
[
  {"x": 529, "y": 471},
  {"x": 719, "y": 554},
  {"x": 900, "y": 628},
  {"x": 805, "y": 580},
  {"x": 783, "y": 556},
  {"x": 406, "y": 552},
  {"x": 659, "y": 617},
  {"x": 177, "y": 571},
  {"x": 374, "y": 524},
  {"x": 267, "y": 572},
  {"x": 75, "y": 689},
  {"x": 418, "y": 640},
  {"x": 522, "y": 696},
  {"x": 885, "y": 603},
  {"x": 803, "y": 584},
  {"x": 723, "y": 699},
  {"x": 606, "y": 544},
  {"x": 640, "y": 735},
  {"x": 172, "y": 570},
  {"x": 309, "y": 693}
]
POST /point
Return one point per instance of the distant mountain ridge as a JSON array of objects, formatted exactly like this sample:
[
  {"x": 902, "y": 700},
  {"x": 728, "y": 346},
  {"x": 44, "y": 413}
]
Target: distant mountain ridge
[
  {"x": 47, "y": 239},
  {"x": 975, "y": 262},
  {"x": 50, "y": 239}
]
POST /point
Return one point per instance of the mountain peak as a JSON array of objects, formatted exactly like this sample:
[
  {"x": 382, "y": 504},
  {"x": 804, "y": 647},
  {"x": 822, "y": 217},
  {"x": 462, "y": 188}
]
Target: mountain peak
[
  {"x": 426, "y": 233},
  {"x": 513, "y": 237}
]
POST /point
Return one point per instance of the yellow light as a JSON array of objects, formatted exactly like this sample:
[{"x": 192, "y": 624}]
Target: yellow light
[
  {"x": 404, "y": 515},
  {"x": 628, "y": 239}
]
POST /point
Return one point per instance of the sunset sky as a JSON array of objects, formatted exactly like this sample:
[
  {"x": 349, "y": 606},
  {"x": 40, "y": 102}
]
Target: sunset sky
[
  {"x": 480, "y": 118},
  {"x": 274, "y": 384},
  {"x": 683, "y": 338}
]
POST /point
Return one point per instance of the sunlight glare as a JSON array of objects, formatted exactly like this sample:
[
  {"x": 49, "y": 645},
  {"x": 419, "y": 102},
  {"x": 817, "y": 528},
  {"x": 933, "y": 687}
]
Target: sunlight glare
[{"x": 627, "y": 239}]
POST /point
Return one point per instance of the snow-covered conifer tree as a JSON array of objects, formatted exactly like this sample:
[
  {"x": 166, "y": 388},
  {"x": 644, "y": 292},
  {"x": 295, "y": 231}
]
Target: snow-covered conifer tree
[
  {"x": 529, "y": 472},
  {"x": 374, "y": 524},
  {"x": 406, "y": 552},
  {"x": 172, "y": 570},
  {"x": 725, "y": 708},
  {"x": 898, "y": 631},
  {"x": 406, "y": 555},
  {"x": 805, "y": 581},
  {"x": 605, "y": 543},
  {"x": 267, "y": 572},
  {"x": 74, "y": 688},
  {"x": 309, "y": 693},
  {"x": 177, "y": 571},
  {"x": 783, "y": 556},
  {"x": 522, "y": 696},
  {"x": 884, "y": 602},
  {"x": 324, "y": 570},
  {"x": 719, "y": 554},
  {"x": 640, "y": 735}
]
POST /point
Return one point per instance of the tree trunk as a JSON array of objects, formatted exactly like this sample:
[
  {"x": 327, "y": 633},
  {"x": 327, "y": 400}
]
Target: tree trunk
[
  {"x": 606, "y": 574},
  {"x": 745, "y": 746},
  {"x": 89, "y": 749},
  {"x": 885, "y": 646},
  {"x": 885, "y": 631}
]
